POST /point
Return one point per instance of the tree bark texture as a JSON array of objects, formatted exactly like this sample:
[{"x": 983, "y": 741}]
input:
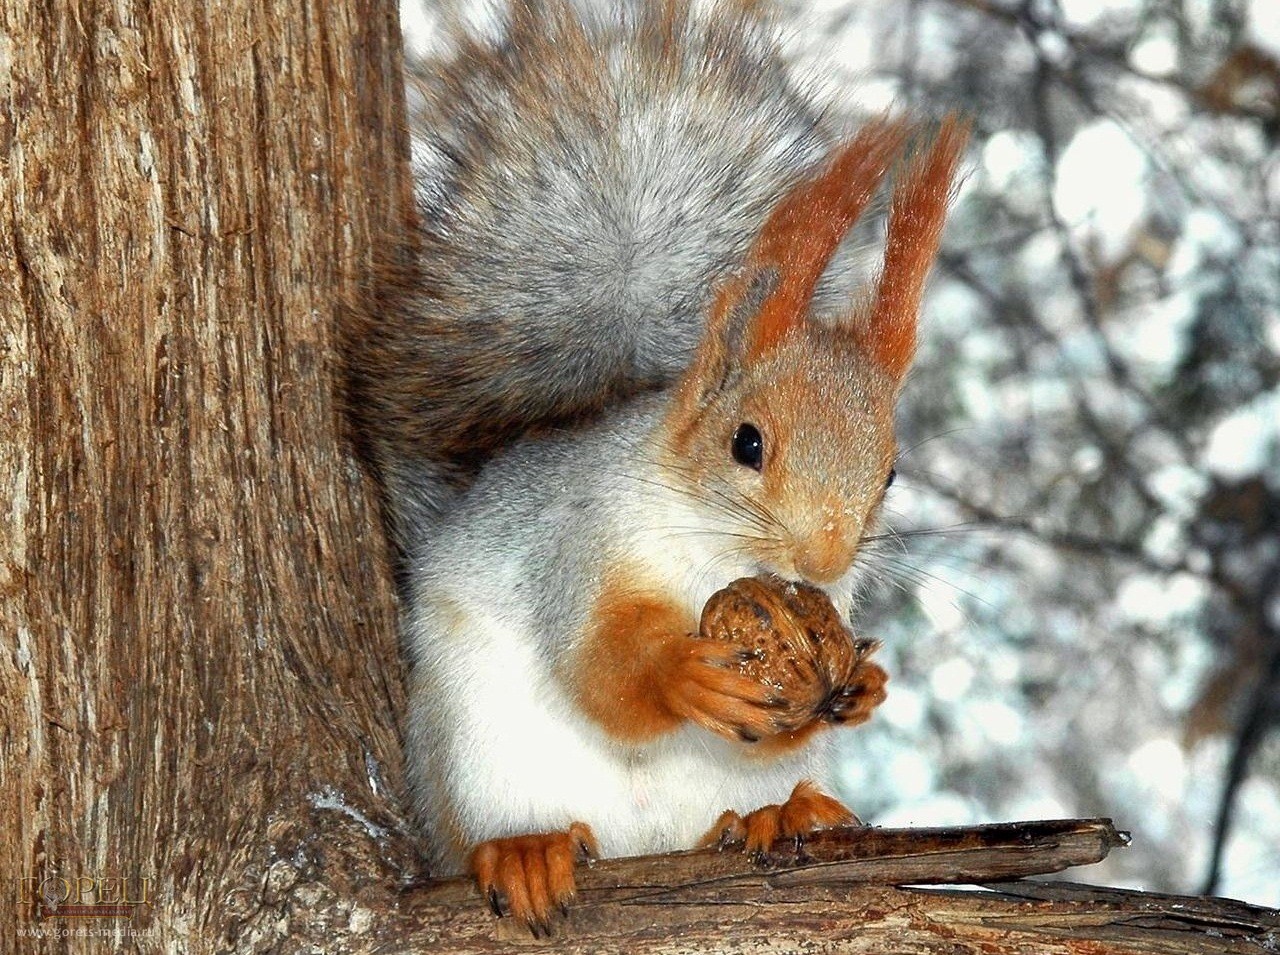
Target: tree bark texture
[
  {"x": 197, "y": 652},
  {"x": 760, "y": 915}
]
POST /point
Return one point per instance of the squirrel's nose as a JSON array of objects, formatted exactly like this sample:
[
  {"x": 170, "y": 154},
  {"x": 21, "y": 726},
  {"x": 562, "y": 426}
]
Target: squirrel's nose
[{"x": 825, "y": 558}]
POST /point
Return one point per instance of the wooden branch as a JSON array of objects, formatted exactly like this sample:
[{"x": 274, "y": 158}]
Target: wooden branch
[
  {"x": 964, "y": 854},
  {"x": 842, "y": 895}
]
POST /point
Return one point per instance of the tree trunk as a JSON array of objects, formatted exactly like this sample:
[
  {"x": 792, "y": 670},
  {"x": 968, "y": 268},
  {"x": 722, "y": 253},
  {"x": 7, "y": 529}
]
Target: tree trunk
[
  {"x": 198, "y": 636},
  {"x": 199, "y": 682}
]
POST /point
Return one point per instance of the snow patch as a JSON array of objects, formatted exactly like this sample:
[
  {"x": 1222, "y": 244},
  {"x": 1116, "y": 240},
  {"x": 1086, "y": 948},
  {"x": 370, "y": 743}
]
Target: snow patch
[
  {"x": 951, "y": 679},
  {"x": 1160, "y": 765},
  {"x": 1264, "y": 25},
  {"x": 330, "y": 798},
  {"x": 1100, "y": 187},
  {"x": 1242, "y": 443},
  {"x": 1156, "y": 600},
  {"x": 1156, "y": 54}
]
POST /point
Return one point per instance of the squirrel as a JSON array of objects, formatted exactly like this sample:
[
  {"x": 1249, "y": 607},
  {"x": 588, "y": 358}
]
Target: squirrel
[{"x": 595, "y": 388}]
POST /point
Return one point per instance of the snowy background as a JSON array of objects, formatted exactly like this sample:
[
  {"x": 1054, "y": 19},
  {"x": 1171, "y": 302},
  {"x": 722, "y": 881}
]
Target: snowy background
[{"x": 1083, "y": 614}]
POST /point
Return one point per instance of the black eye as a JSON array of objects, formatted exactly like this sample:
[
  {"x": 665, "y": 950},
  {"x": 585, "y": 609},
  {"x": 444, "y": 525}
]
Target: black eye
[
  {"x": 748, "y": 446},
  {"x": 888, "y": 483}
]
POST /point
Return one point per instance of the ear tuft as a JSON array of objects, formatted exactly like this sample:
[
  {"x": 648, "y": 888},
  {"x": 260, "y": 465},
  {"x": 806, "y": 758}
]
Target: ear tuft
[
  {"x": 887, "y": 330},
  {"x": 806, "y": 227}
]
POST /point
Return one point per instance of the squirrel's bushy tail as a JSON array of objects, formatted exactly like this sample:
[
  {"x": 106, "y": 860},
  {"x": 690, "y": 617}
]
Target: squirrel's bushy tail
[{"x": 581, "y": 184}]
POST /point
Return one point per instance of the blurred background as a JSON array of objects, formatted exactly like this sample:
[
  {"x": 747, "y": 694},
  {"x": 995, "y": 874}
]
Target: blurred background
[{"x": 1081, "y": 612}]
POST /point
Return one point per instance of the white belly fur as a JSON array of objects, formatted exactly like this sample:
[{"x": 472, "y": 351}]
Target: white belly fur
[{"x": 497, "y": 745}]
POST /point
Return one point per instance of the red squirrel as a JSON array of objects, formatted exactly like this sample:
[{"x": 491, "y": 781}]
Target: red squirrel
[{"x": 596, "y": 388}]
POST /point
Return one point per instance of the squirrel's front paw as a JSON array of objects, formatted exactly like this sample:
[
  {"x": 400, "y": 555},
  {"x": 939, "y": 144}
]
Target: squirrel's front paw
[
  {"x": 806, "y": 810},
  {"x": 800, "y": 648},
  {"x": 704, "y": 685},
  {"x": 852, "y": 702},
  {"x": 527, "y": 876}
]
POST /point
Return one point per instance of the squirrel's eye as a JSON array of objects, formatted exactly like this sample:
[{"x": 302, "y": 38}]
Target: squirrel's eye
[
  {"x": 888, "y": 483},
  {"x": 748, "y": 446}
]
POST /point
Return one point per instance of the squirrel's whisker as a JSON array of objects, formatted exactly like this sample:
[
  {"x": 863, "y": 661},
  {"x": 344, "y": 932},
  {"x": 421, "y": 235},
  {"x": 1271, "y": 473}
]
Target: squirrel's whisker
[{"x": 933, "y": 437}]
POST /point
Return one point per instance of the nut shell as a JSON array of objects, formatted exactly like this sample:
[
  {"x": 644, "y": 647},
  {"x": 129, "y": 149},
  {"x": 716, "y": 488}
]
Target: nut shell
[{"x": 795, "y": 643}]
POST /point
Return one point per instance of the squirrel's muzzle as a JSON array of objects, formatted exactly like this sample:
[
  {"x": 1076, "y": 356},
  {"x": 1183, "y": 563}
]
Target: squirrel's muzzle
[{"x": 826, "y": 555}]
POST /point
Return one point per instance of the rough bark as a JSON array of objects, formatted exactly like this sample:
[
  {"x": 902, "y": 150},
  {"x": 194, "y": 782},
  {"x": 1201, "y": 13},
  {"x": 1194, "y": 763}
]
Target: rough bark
[
  {"x": 741, "y": 917},
  {"x": 199, "y": 681},
  {"x": 197, "y": 651}
]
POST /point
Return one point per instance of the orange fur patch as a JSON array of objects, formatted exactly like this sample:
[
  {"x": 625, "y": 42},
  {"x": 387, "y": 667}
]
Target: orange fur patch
[
  {"x": 642, "y": 671},
  {"x": 621, "y": 672},
  {"x": 526, "y": 876},
  {"x": 781, "y": 743},
  {"x": 792, "y": 250}
]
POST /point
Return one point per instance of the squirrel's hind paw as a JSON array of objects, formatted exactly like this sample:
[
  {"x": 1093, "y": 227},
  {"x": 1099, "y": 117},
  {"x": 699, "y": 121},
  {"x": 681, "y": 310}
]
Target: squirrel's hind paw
[
  {"x": 527, "y": 877},
  {"x": 806, "y": 810}
]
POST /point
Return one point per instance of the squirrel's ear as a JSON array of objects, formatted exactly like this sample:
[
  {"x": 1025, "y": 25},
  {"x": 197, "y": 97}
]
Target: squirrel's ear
[
  {"x": 753, "y": 309},
  {"x": 805, "y": 229},
  {"x": 885, "y": 327}
]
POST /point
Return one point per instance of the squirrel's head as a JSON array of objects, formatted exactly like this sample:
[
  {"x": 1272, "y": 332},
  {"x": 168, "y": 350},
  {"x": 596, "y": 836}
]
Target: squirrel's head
[{"x": 784, "y": 421}]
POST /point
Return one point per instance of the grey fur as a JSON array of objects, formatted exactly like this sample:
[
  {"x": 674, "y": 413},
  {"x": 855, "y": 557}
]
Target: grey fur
[
  {"x": 565, "y": 260},
  {"x": 523, "y": 533}
]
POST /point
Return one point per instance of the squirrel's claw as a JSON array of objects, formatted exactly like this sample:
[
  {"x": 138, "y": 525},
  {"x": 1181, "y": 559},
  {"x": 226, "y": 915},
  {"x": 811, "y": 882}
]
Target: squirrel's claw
[
  {"x": 806, "y": 810},
  {"x": 853, "y": 703},
  {"x": 530, "y": 877},
  {"x": 495, "y": 902},
  {"x": 728, "y": 830},
  {"x": 585, "y": 842}
]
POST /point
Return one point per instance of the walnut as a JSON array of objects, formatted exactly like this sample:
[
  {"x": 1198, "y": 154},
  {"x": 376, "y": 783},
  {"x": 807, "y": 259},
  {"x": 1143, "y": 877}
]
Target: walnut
[{"x": 795, "y": 643}]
